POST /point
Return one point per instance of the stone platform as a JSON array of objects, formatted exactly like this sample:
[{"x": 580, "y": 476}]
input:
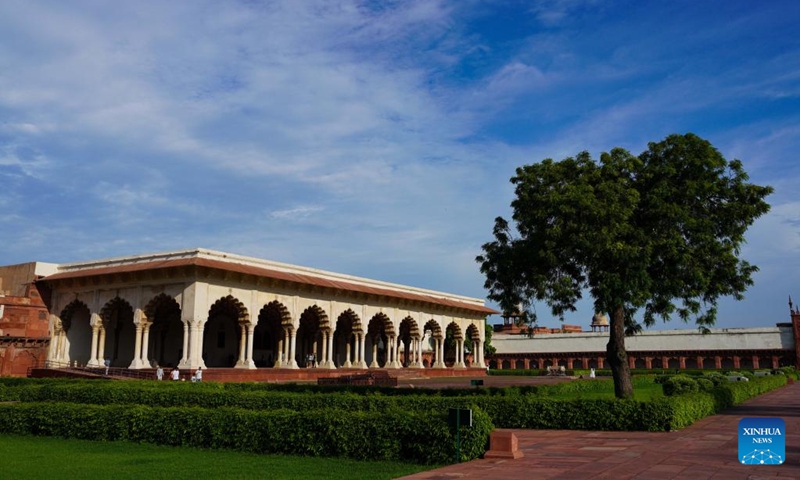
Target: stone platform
[{"x": 276, "y": 375}]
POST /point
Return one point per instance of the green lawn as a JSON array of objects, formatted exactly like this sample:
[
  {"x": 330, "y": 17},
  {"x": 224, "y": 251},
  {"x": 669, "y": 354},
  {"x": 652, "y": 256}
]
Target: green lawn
[
  {"x": 23, "y": 457},
  {"x": 644, "y": 389},
  {"x": 644, "y": 393}
]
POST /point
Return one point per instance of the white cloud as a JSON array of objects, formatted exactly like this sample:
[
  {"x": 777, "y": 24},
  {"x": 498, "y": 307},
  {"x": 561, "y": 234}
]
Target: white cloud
[{"x": 367, "y": 137}]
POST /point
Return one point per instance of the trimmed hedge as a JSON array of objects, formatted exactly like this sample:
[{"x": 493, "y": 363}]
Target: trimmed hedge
[
  {"x": 306, "y": 388},
  {"x": 684, "y": 410},
  {"x": 679, "y": 385},
  {"x": 397, "y": 436},
  {"x": 512, "y": 410}
]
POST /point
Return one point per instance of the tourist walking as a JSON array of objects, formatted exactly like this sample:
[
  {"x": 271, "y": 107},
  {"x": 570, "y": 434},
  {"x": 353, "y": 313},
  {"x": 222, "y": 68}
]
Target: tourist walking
[
  {"x": 175, "y": 374},
  {"x": 159, "y": 373}
]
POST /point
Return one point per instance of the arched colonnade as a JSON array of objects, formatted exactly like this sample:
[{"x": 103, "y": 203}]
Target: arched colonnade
[{"x": 230, "y": 335}]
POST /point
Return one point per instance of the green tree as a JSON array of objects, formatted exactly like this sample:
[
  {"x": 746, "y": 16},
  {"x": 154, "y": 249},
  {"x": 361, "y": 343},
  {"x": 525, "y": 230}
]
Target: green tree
[
  {"x": 488, "y": 349},
  {"x": 660, "y": 232}
]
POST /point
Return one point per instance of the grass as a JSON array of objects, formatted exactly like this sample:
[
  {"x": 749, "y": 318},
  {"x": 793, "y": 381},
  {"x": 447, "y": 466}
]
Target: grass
[
  {"x": 644, "y": 389},
  {"x": 644, "y": 393},
  {"x": 28, "y": 457}
]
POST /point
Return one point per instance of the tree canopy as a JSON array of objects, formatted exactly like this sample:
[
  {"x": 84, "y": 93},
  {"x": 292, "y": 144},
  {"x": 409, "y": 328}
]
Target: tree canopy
[{"x": 659, "y": 233}]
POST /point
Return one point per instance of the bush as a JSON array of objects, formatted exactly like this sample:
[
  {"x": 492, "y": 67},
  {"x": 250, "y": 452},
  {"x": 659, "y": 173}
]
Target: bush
[
  {"x": 507, "y": 408},
  {"x": 716, "y": 378},
  {"x": 683, "y": 410},
  {"x": 679, "y": 385},
  {"x": 705, "y": 384},
  {"x": 398, "y": 436}
]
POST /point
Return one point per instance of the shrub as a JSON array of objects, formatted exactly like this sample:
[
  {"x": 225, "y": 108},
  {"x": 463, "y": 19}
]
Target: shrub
[
  {"x": 679, "y": 385},
  {"x": 663, "y": 378},
  {"x": 507, "y": 408},
  {"x": 705, "y": 384},
  {"x": 716, "y": 378},
  {"x": 398, "y": 436}
]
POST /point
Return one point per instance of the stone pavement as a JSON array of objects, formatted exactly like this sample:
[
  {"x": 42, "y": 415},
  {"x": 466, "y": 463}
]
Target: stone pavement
[{"x": 706, "y": 450}]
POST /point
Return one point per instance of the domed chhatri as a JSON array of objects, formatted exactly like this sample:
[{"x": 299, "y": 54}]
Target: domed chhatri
[{"x": 599, "y": 323}]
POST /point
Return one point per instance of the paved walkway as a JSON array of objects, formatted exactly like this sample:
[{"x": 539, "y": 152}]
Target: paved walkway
[{"x": 706, "y": 450}]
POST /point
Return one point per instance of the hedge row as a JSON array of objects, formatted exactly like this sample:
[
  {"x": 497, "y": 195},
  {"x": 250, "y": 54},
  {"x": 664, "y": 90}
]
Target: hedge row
[
  {"x": 687, "y": 409},
  {"x": 181, "y": 394},
  {"x": 398, "y": 436},
  {"x": 511, "y": 411},
  {"x": 304, "y": 388}
]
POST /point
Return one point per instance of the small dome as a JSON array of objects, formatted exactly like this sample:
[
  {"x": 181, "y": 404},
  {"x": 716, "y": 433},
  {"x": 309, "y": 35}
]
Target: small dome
[{"x": 599, "y": 320}]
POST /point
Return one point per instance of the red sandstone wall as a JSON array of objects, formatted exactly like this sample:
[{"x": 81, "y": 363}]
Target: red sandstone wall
[
  {"x": 24, "y": 316},
  {"x": 17, "y": 356},
  {"x": 24, "y": 320}
]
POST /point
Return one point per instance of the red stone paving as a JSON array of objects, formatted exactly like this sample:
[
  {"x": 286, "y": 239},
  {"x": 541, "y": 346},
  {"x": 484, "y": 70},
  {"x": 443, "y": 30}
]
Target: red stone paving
[{"x": 707, "y": 450}]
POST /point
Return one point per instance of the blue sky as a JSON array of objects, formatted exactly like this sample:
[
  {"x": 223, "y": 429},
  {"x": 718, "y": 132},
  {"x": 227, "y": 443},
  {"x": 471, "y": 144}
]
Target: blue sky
[{"x": 374, "y": 138}]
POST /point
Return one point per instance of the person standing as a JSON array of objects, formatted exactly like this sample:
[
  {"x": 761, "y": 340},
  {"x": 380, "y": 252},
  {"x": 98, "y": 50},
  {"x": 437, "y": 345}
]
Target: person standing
[
  {"x": 159, "y": 373},
  {"x": 591, "y": 373},
  {"x": 198, "y": 375},
  {"x": 107, "y": 363},
  {"x": 175, "y": 374}
]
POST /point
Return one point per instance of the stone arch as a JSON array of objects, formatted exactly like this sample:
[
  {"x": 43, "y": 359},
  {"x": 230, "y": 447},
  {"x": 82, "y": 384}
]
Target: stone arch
[
  {"x": 348, "y": 324},
  {"x": 273, "y": 318},
  {"x": 20, "y": 363},
  {"x": 745, "y": 362},
  {"x": 637, "y": 362},
  {"x": 453, "y": 335},
  {"x": 727, "y": 363},
  {"x": 223, "y": 331},
  {"x": 313, "y": 321},
  {"x": 69, "y": 311},
  {"x": 471, "y": 346},
  {"x": 165, "y": 341},
  {"x": 672, "y": 363},
  {"x": 117, "y": 316},
  {"x": 409, "y": 330},
  {"x": 76, "y": 324},
  {"x": 379, "y": 330},
  {"x": 434, "y": 327},
  {"x": 764, "y": 362}
]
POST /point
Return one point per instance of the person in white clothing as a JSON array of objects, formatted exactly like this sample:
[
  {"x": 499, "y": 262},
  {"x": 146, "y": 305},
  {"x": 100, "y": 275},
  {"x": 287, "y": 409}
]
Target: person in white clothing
[
  {"x": 159, "y": 373},
  {"x": 591, "y": 373},
  {"x": 175, "y": 374},
  {"x": 198, "y": 375}
]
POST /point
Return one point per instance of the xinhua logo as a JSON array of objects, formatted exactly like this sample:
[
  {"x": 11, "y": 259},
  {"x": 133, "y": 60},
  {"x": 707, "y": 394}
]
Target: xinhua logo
[{"x": 762, "y": 441}]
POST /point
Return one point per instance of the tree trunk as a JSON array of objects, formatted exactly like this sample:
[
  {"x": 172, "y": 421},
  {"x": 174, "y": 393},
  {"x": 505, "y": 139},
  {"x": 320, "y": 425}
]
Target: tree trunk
[{"x": 617, "y": 357}]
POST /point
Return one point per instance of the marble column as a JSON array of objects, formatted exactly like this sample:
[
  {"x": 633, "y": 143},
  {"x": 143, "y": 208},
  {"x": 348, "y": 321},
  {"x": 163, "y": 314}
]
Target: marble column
[
  {"x": 249, "y": 362},
  {"x": 137, "y": 348},
  {"x": 93, "y": 356},
  {"x": 292, "y": 349}
]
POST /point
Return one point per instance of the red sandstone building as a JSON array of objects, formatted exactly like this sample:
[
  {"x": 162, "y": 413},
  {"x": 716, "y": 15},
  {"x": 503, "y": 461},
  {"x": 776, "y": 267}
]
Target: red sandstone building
[
  {"x": 24, "y": 337},
  {"x": 720, "y": 348}
]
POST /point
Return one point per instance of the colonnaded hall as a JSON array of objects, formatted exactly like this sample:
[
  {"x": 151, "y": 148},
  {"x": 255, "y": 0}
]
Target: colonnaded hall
[{"x": 207, "y": 309}]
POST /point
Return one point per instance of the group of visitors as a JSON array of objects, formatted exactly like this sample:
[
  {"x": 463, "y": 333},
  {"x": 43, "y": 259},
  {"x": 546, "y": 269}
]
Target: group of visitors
[
  {"x": 175, "y": 374},
  {"x": 311, "y": 360}
]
